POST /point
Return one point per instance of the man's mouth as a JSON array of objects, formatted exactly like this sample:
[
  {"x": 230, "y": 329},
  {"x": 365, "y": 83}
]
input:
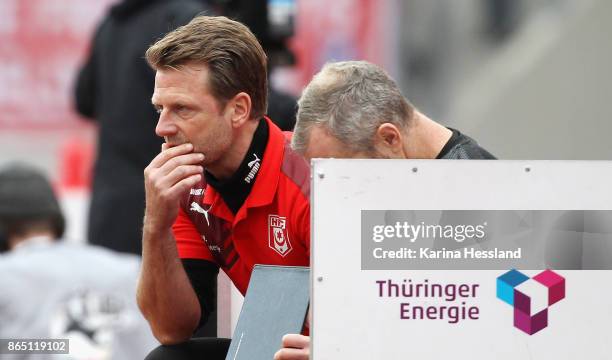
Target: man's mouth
[{"x": 171, "y": 144}]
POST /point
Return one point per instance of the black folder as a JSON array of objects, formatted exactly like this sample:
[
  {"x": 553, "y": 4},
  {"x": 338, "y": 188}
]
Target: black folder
[{"x": 275, "y": 304}]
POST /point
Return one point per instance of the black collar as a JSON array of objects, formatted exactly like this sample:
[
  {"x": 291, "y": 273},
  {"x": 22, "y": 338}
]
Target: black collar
[{"x": 236, "y": 189}]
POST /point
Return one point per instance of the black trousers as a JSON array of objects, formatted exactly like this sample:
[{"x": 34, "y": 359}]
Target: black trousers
[{"x": 196, "y": 348}]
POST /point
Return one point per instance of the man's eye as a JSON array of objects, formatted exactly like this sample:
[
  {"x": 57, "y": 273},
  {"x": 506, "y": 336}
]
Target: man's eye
[{"x": 183, "y": 111}]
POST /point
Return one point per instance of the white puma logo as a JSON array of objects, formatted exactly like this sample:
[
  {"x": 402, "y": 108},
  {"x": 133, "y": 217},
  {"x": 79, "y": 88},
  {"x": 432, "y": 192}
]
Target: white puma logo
[
  {"x": 251, "y": 163},
  {"x": 254, "y": 166},
  {"x": 197, "y": 208}
]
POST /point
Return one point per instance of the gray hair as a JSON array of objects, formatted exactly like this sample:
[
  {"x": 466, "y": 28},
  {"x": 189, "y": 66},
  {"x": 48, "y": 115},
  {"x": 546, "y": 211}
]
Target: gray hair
[{"x": 351, "y": 100}]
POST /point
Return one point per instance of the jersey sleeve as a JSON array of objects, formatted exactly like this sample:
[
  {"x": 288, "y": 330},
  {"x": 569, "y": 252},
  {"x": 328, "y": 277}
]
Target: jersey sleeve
[{"x": 189, "y": 243}]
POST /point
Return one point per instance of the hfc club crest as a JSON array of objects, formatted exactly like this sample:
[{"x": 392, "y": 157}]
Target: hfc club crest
[{"x": 278, "y": 239}]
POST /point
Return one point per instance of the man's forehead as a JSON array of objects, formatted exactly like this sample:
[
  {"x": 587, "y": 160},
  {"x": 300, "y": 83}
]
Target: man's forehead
[
  {"x": 179, "y": 84},
  {"x": 170, "y": 95},
  {"x": 316, "y": 134},
  {"x": 322, "y": 144}
]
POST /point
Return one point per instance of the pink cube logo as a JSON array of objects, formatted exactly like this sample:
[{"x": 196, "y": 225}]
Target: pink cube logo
[
  {"x": 531, "y": 297},
  {"x": 555, "y": 284}
]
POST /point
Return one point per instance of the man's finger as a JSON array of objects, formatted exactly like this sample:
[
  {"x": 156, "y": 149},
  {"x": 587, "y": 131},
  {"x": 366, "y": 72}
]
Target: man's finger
[
  {"x": 179, "y": 173},
  {"x": 291, "y": 354},
  {"x": 181, "y": 160},
  {"x": 169, "y": 153},
  {"x": 296, "y": 341},
  {"x": 184, "y": 185}
]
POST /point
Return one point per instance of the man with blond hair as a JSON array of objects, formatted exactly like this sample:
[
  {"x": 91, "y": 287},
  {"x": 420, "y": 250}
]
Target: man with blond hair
[{"x": 224, "y": 171}]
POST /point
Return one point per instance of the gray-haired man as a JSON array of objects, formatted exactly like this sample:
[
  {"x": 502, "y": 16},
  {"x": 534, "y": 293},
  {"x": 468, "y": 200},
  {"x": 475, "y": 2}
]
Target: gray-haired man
[{"x": 353, "y": 109}]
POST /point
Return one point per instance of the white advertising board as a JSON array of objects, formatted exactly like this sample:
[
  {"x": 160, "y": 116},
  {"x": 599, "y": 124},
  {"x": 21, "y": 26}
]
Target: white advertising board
[{"x": 447, "y": 259}]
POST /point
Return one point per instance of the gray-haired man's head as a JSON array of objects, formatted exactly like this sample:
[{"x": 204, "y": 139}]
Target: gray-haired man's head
[{"x": 343, "y": 109}]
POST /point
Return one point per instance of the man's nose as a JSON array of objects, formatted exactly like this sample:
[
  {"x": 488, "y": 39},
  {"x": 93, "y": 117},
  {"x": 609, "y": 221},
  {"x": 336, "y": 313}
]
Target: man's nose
[{"x": 165, "y": 125}]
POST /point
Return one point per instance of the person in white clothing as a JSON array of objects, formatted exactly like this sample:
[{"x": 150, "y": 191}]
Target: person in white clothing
[{"x": 52, "y": 289}]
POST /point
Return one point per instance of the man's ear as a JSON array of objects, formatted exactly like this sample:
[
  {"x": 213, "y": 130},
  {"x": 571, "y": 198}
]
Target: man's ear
[
  {"x": 388, "y": 141},
  {"x": 240, "y": 109}
]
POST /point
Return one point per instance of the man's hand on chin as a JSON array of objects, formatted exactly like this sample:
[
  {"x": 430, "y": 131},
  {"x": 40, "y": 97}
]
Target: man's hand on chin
[{"x": 169, "y": 175}]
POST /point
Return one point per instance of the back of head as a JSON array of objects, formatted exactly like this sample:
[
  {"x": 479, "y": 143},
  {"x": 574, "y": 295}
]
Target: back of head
[
  {"x": 350, "y": 100},
  {"x": 236, "y": 61},
  {"x": 26, "y": 201}
]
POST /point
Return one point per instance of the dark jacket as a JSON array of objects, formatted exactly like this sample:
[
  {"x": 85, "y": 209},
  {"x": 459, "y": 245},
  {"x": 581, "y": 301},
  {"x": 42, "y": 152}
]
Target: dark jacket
[{"x": 114, "y": 87}]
